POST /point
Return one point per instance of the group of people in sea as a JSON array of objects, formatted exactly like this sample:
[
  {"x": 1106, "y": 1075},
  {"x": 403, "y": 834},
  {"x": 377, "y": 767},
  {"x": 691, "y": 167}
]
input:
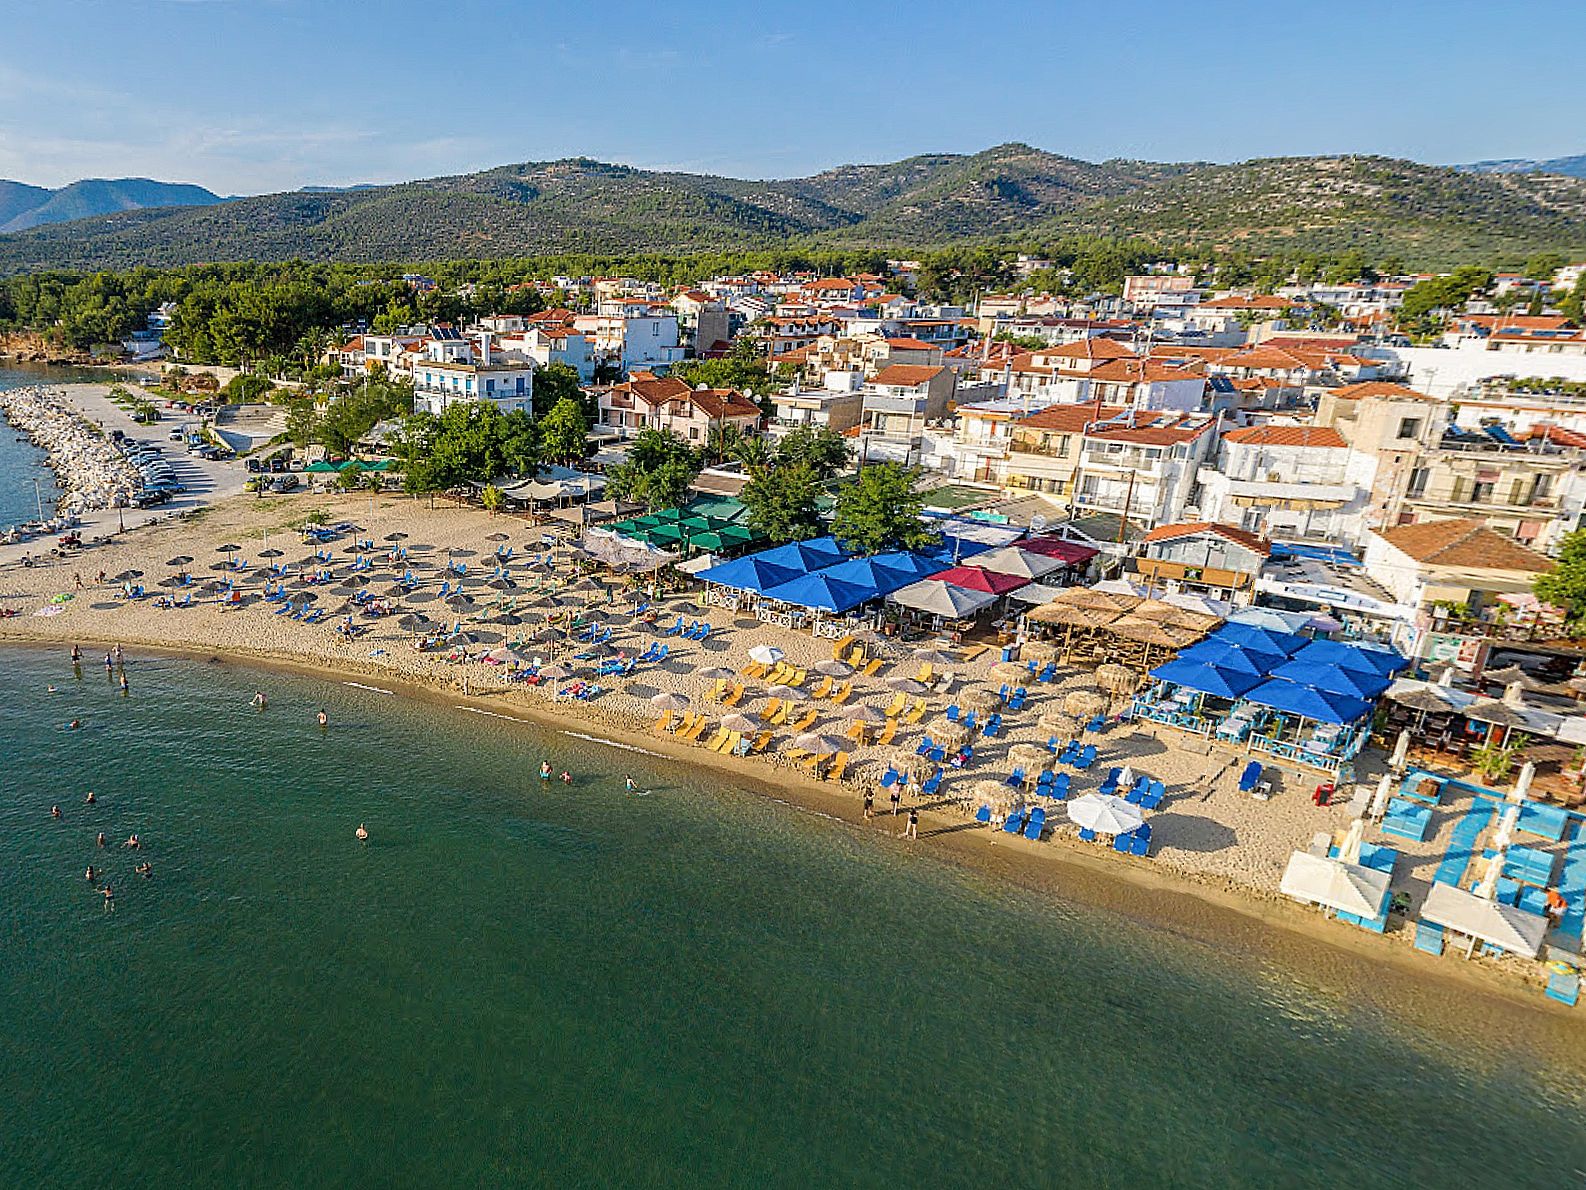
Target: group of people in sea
[{"x": 97, "y": 878}]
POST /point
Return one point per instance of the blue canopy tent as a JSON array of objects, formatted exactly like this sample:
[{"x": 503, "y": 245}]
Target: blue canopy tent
[
  {"x": 1249, "y": 636},
  {"x": 751, "y": 573},
  {"x": 916, "y": 566},
  {"x": 1224, "y": 655},
  {"x": 1308, "y": 703},
  {"x": 1206, "y": 679},
  {"x": 870, "y": 572},
  {"x": 1354, "y": 657},
  {"x": 1333, "y": 680},
  {"x": 803, "y": 557},
  {"x": 821, "y": 592}
]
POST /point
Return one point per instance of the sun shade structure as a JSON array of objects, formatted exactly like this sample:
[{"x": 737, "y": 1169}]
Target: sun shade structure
[
  {"x": 1105, "y": 814},
  {"x": 821, "y": 592},
  {"x": 1010, "y": 559},
  {"x": 1250, "y": 637},
  {"x": 1308, "y": 703},
  {"x": 1206, "y": 679},
  {"x": 973, "y": 578},
  {"x": 1333, "y": 680},
  {"x": 1332, "y": 652},
  {"x": 753, "y": 573},
  {"x": 942, "y": 599},
  {"x": 1463, "y": 912},
  {"x": 1348, "y": 888},
  {"x": 1069, "y": 553}
]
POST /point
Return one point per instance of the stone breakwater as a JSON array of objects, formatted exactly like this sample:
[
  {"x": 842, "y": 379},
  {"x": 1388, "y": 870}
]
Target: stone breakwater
[{"x": 89, "y": 470}]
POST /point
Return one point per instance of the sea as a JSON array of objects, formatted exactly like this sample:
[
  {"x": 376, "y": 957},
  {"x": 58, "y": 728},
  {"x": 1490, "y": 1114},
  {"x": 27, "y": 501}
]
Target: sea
[
  {"x": 692, "y": 985},
  {"x": 21, "y": 463}
]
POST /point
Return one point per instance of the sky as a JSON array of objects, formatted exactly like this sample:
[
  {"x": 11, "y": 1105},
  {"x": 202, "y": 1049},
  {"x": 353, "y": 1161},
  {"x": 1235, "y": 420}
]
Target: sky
[{"x": 249, "y": 96}]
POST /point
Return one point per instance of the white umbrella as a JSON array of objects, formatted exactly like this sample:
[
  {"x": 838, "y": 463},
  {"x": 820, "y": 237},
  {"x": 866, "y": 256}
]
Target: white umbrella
[
  {"x": 1349, "y": 849},
  {"x": 766, "y": 654},
  {"x": 1104, "y": 814},
  {"x": 1117, "y": 586},
  {"x": 1506, "y": 825},
  {"x": 1401, "y": 752},
  {"x": 1522, "y": 785},
  {"x": 1345, "y": 887},
  {"x": 1126, "y": 777}
]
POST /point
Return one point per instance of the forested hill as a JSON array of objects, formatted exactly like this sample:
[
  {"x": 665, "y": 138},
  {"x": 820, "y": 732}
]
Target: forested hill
[{"x": 1428, "y": 216}]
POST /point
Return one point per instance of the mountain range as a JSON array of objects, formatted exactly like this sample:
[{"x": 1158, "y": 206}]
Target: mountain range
[
  {"x": 1574, "y": 167},
  {"x": 23, "y": 206},
  {"x": 1430, "y": 216}
]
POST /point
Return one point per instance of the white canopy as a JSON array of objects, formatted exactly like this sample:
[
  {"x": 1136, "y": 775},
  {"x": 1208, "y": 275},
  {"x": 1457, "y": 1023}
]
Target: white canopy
[
  {"x": 1192, "y": 602},
  {"x": 766, "y": 654},
  {"x": 1105, "y": 814},
  {"x": 1035, "y": 593},
  {"x": 942, "y": 599},
  {"x": 1348, "y": 888},
  {"x": 1503, "y": 925},
  {"x": 1117, "y": 586},
  {"x": 1010, "y": 559}
]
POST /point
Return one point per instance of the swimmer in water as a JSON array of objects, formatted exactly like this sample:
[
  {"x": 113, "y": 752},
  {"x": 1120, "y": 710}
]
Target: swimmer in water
[
  {"x": 545, "y": 770},
  {"x": 258, "y": 699},
  {"x": 89, "y": 875},
  {"x": 145, "y": 869},
  {"x": 132, "y": 842},
  {"x": 361, "y": 834},
  {"x": 74, "y": 724},
  {"x": 77, "y": 654},
  {"x": 124, "y": 688},
  {"x": 567, "y": 777},
  {"x": 55, "y": 811},
  {"x": 51, "y": 690},
  {"x": 110, "y": 898},
  {"x": 90, "y": 799},
  {"x": 324, "y": 720},
  {"x": 100, "y": 841}
]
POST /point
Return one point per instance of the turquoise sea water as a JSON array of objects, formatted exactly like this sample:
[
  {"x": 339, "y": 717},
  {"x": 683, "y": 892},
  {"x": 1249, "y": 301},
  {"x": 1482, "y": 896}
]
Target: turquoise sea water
[
  {"x": 515, "y": 984},
  {"x": 21, "y": 462}
]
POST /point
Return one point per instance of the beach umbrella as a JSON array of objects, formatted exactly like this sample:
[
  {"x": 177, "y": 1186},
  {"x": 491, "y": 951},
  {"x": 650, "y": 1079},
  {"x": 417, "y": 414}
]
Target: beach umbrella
[
  {"x": 460, "y": 603},
  {"x": 179, "y": 560},
  {"x": 994, "y": 793},
  {"x": 933, "y": 657},
  {"x": 1379, "y": 799},
  {"x": 555, "y": 672},
  {"x": 507, "y": 619},
  {"x": 172, "y": 581},
  {"x": 1030, "y": 754},
  {"x": 127, "y": 576},
  {"x": 833, "y": 669},
  {"x": 395, "y": 592},
  {"x": 1009, "y": 669},
  {"x": 1038, "y": 650},
  {"x": 818, "y": 745},
  {"x": 502, "y": 584},
  {"x": 982, "y": 700},
  {"x": 1057, "y": 721},
  {"x": 228, "y": 548},
  {"x": 270, "y": 553},
  {"x": 1104, "y": 814},
  {"x": 395, "y": 537},
  {"x": 738, "y": 721},
  {"x": 633, "y": 595},
  {"x": 863, "y": 714},
  {"x": 904, "y": 685},
  {"x": 788, "y": 694},
  {"x": 503, "y": 655},
  {"x": 716, "y": 673},
  {"x": 211, "y": 587},
  {"x": 1084, "y": 704},
  {"x": 1522, "y": 785},
  {"x": 498, "y": 537},
  {"x": 766, "y": 654},
  {"x": 412, "y": 622},
  {"x": 671, "y": 701},
  {"x": 548, "y": 634},
  {"x": 1117, "y": 679},
  {"x": 353, "y": 581}
]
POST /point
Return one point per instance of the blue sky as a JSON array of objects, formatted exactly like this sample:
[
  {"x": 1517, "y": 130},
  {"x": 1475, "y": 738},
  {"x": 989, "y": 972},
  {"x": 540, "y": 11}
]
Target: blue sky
[{"x": 245, "y": 96}]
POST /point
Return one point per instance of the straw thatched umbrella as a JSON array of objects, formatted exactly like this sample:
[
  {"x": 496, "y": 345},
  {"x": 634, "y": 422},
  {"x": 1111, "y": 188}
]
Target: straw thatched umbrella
[
  {"x": 982, "y": 700},
  {"x": 788, "y": 693},
  {"x": 952, "y": 737},
  {"x": 716, "y": 673},
  {"x": 904, "y": 685},
  {"x": 833, "y": 669},
  {"x": 933, "y": 657},
  {"x": 994, "y": 794},
  {"x": 556, "y": 672},
  {"x": 863, "y": 714},
  {"x": 1030, "y": 755},
  {"x": 738, "y": 721},
  {"x": 1037, "y": 650},
  {"x": 1084, "y": 704},
  {"x": 917, "y": 767},
  {"x": 1009, "y": 669},
  {"x": 1117, "y": 679},
  {"x": 817, "y": 744},
  {"x": 671, "y": 701},
  {"x": 1058, "y": 722}
]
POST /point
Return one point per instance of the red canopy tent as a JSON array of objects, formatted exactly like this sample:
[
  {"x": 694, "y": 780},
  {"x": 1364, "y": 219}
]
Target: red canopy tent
[
  {"x": 975, "y": 578},
  {"x": 1071, "y": 553}
]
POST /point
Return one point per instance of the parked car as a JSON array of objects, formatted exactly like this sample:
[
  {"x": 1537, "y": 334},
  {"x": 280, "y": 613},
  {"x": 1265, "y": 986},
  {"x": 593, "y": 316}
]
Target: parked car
[{"x": 284, "y": 483}]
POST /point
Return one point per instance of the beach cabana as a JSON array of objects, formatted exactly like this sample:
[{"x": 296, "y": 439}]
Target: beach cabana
[
  {"x": 869, "y": 572},
  {"x": 938, "y": 598},
  {"x": 821, "y": 592},
  {"x": 1506, "y": 927},
  {"x": 1306, "y": 702},
  {"x": 1341, "y": 886}
]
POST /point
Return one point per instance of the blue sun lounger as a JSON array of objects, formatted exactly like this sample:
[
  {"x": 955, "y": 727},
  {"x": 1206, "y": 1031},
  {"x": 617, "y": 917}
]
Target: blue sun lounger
[
  {"x": 1015, "y": 822},
  {"x": 1251, "y": 777},
  {"x": 1015, "y": 778},
  {"x": 1037, "y": 823},
  {"x": 889, "y": 778},
  {"x": 932, "y": 783},
  {"x": 983, "y": 814}
]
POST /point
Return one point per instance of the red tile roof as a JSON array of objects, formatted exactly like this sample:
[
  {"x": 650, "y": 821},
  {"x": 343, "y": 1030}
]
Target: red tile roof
[
  {"x": 907, "y": 375},
  {"x": 1093, "y": 347},
  {"x": 1465, "y": 544},
  {"x": 1379, "y": 388},
  {"x": 1070, "y": 419},
  {"x": 1319, "y": 436}
]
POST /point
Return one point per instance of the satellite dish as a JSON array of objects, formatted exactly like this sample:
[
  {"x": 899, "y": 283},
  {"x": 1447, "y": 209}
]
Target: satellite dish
[{"x": 1037, "y": 523}]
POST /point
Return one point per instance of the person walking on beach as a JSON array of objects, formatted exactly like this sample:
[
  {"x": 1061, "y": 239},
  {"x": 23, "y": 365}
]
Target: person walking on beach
[
  {"x": 897, "y": 800},
  {"x": 870, "y": 804},
  {"x": 912, "y": 831},
  {"x": 77, "y": 578}
]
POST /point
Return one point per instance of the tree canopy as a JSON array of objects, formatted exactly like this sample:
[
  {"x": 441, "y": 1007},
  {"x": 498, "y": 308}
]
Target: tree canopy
[
  {"x": 1565, "y": 585},
  {"x": 784, "y": 502},
  {"x": 657, "y": 472},
  {"x": 563, "y": 432},
  {"x": 881, "y": 510},
  {"x": 471, "y": 441},
  {"x": 823, "y": 449}
]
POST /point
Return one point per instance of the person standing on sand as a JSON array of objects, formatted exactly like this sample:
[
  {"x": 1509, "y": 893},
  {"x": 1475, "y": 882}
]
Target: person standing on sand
[
  {"x": 870, "y": 804},
  {"x": 77, "y": 578},
  {"x": 912, "y": 831},
  {"x": 897, "y": 800}
]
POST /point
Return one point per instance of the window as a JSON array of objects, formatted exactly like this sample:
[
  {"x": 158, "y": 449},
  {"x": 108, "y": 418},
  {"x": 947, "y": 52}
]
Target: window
[
  {"x": 1409, "y": 427},
  {"x": 1543, "y": 485},
  {"x": 1417, "y": 486},
  {"x": 1481, "y": 493}
]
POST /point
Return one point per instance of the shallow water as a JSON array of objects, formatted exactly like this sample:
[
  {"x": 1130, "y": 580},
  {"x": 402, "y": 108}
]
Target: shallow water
[
  {"x": 569, "y": 985},
  {"x": 21, "y": 462}
]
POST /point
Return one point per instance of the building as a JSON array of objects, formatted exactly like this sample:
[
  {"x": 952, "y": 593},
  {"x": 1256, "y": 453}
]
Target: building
[
  {"x": 897, "y": 402},
  {"x": 648, "y": 402},
  {"x": 548, "y": 344},
  {"x": 1458, "y": 566},
  {"x": 1288, "y": 481},
  {"x": 838, "y": 406},
  {"x": 702, "y": 320},
  {"x": 439, "y": 384},
  {"x": 1212, "y": 559},
  {"x": 1142, "y": 466}
]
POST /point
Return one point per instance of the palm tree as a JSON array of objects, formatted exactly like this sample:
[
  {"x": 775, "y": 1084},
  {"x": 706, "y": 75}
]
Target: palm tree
[{"x": 755, "y": 454}]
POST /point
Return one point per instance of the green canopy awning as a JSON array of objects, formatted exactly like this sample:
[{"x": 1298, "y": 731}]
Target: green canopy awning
[
  {"x": 662, "y": 534},
  {"x": 320, "y": 468}
]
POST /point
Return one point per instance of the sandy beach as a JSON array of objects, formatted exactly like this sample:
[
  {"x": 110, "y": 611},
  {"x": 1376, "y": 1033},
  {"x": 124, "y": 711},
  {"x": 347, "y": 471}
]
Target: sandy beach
[{"x": 1217, "y": 854}]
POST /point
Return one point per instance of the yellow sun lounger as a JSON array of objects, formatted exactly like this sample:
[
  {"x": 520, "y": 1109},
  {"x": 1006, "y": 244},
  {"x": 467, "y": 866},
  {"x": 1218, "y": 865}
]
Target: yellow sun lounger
[
  {"x": 732, "y": 699},
  {"x": 768, "y": 712},
  {"x": 805, "y": 722},
  {"x": 664, "y": 723},
  {"x": 843, "y": 695},
  {"x": 838, "y": 767},
  {"x": 887, "y": 732},
  {"x": 895, "y": 707},
  {"x": 717, "y": 740},
  {"x": 694, "y": 732},
  {"x": 822, "y": 688},
  {"x": 917, "y": 713},
  {"x": 874, "y": 667}
]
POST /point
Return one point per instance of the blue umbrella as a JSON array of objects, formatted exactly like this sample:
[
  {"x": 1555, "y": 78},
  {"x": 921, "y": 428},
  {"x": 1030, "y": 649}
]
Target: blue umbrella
[
  {"x": 1355, "y": 657},
  {"x": 821, "y": 592},
  {"x": 1206, "y": 679},
  {"x": 1250, "y": 636},
  {"x": 1307, "y": 702},
  {"x": 1227, "y": 656},
  {"x": 1353, "y": 682}
]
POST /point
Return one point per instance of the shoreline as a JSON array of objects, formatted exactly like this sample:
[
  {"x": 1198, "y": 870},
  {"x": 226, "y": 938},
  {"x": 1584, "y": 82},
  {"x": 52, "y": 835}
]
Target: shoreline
[{"x": 1217, "y": 916}]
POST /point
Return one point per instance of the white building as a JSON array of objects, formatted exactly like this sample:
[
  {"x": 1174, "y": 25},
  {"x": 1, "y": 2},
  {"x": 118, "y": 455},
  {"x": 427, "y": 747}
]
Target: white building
[{"x": 1286, "y": 481}]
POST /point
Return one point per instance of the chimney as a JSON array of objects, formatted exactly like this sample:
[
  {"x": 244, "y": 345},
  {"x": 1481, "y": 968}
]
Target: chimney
[{"x": 484, "y": 348}]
